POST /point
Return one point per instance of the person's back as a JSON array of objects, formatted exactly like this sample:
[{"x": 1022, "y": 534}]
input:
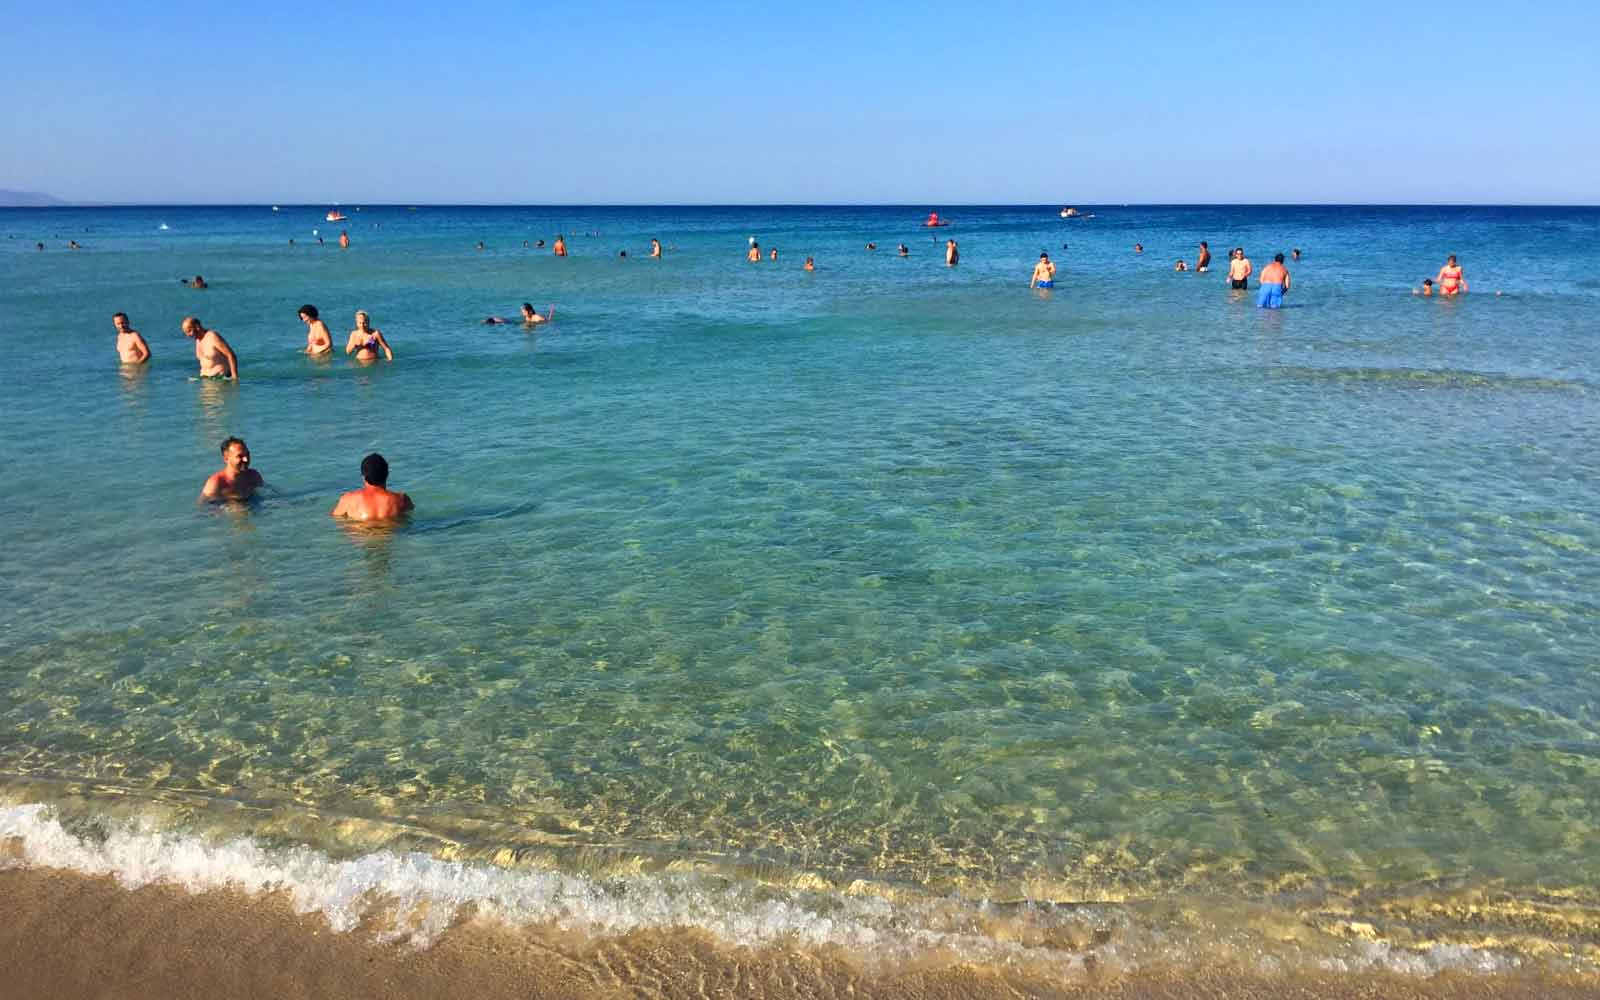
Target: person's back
[{"x": 374, "y": 501}]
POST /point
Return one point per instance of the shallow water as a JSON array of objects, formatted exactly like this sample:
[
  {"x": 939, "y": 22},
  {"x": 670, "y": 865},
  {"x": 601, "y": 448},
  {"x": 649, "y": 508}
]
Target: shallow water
[{"x": 891, "y": 578}]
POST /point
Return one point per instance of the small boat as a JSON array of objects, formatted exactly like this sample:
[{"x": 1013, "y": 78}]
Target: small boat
[
  {"x": 934, "y": 221},
  {"x": 274, "y": 208},
  {"x": 1069, "y": 213},
  {"x": 335, "y": 216}
]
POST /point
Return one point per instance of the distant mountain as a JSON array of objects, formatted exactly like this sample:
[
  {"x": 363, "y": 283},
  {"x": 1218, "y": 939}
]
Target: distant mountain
[{"x": 27, "y": 199}]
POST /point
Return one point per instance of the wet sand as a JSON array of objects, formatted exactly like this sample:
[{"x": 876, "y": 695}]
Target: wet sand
[{"x": 69, "y": 935}]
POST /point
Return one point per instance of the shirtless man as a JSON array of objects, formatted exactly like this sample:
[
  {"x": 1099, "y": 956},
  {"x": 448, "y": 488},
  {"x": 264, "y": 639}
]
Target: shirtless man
[
  {"x": 1204, "y": 263},
  {"x": 753, "y": 255},
  {"x": 1274, "y": 282},
  {"x": 374, "y": 501},
  {"x": 1044, "y": 273},
  {"x": 131, "y": 347},
  {"x": 344, "y": 239},
  {"x": 559, "y": 248},
  {"x": 1451, "y": 280},
  {"x": 1239, "y": 269},
  {"x": 655, "y": 248},
  {"x": 215, "y": 356},
  {"x": 236, "y": 480},
  {"x": 952, "y": 256},
  {"x": 318, "y": 340}
]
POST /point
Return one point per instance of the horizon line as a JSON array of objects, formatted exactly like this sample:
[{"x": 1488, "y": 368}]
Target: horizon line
[{"x": 796, "y": 204}]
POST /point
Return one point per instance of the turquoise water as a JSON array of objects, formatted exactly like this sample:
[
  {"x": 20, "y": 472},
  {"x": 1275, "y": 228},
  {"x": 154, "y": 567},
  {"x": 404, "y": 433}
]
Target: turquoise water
[{"x": 889, "y": 576}]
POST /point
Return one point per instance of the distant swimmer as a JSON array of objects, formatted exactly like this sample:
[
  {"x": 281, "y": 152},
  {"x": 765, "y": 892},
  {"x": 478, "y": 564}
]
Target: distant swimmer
[
  {"x": 1204, "y": 262},
  {"x": 622, "y": 253},
  {"x": 655, "y": 248},
  {"x": 344, "y": 240},
  {"x": 236, "y": 480},
  {"x": 1427, "y": 288},
  {"x": 531, "y": 318},
  {"x": 1044, "y": 273},
  {"x": 216, "y": 358},
  {"x": 1138, "y": 248},
  {"x": 952, "y": 256},
  {"x": 196, "y": 282},
  {"x": 374, "y": 501},
  {"x": 318, "y": 340},
  {"x": 1451, "y": 280},
  {"x": 1295, "y": 253},
  {"x": 811, "y": 265},
  {"x": 40, "y": 246},
  {"x": 559, "y": 248},
  {"x": 774, "y": 255},
  {"x": 131, "y": 346},
  {"x": 539, "y": 245},
  {"x": 904, "y": 250},
  {"x": 870, "y": 246},
  {"x": 365, "y": 342},
  {"x": 1239, "y": 269},
  {"x": 1274, "y": 282},
  {"x": 73, "y": 245},
  {"x": 525, "y": 245},
  {"x": 481, "y": 246},
  {"x": 1180, "y": 266}
]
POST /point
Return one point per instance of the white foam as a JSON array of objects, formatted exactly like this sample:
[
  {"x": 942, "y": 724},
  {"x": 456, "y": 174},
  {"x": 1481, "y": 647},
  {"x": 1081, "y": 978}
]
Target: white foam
[{"x": 416, "y": 897}]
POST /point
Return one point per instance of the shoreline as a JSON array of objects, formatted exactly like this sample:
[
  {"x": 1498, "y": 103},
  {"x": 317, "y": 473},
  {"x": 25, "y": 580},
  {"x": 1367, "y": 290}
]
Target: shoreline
[{"x": 68, "y": 934}]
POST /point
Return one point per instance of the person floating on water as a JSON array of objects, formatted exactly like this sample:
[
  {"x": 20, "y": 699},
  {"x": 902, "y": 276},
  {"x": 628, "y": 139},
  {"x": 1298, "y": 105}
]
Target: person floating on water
[
  {"x": 1239, "y": 269},
  {"x": 131, "y": 346},
  {"x": 344, "y": 240},
  {"x": 1274, "y": 282},
  {"x": 655, "y": 248},
  {"x": 1451, "y": 279},
  {"x": 365, "y": 342},
  {"x": 811, "y": 265},
  {"x": 559, "y": 248},
  {"x": 1203, "y": 263},
  {"x": 216, "y": 358},
  {"x": 1180, "y": 266},
  {"x": 1044, "y": 273},
  {"x": 1295, "y": 253},
  {"x": 529, "y": 317},
  {"x": 374, "y": 501},
  {"x": 235, "y": 480},
  {"x": 318, "y": 340},
  {"x": 952, "y": 256}
]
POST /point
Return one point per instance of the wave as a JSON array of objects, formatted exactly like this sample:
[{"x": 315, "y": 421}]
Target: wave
[
  {"x": 1433, "y": 378},
  {"x": 417, "y": 897}
]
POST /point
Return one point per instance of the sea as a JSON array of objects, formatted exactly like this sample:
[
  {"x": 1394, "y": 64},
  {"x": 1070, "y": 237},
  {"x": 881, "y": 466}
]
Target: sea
[{"x": 891, "y": 608}]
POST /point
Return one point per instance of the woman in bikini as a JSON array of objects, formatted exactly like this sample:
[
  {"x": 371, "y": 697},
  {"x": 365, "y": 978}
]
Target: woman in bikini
[
  {"x": 365, "y": 342},
  {"x": 1451, "y": 280}
]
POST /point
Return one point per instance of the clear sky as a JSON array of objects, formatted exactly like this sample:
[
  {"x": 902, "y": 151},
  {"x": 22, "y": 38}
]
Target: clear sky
[{"x": 922, "y": 103}]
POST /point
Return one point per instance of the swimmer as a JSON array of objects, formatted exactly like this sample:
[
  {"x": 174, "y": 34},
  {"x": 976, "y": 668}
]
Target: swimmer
[
  {"x": 1203, "y": 264},
  {"x": 539, "y": 245},
  {"x": 525, "y": 244},
  {"x": 1044, "y": 273},
  {"x": 1295, "y": 253},
  {"x": 753, "y": 255},
  {"x": 481, "y": 246},
  {"x": 774, "y": 255},
  {"x": 73, "y": 245},
  {"x": 655, "y": 249},
  {"x": 131, "y": 346},
  {"x": 1427, "y": 288},
  {"x": 319, "y": 241},
  {"x": 291, "y": 241},
  {"x": 1274, "y": 282},
  {"x": 374, "y": 501},
  {"x": 236, "y": 480},
  {"x": 1138, "y": 248},
  {"x": 810, "y": 265},
  {"x": 365, "y": 342},
  {"x": 952, "y": 256},
  {"x": 559, "y": 248},
  {"x": 216, "y": 358},
  {"x": 1451, "y": 280},
  {"x": 870, "y": 246},
  {"x": 1180, "y": 266},
  {"x": 318, "y": 340},
  {"x": 1239, "y": 269},
  {"x": 40, "y": 246},
  {"x": 344, "y": 240},
  {"x": 904, "y": 250},
  {"x": 622, "y": 253},
  {"x": 196, "y": 282},
  {"x": 531, "y": 318}
]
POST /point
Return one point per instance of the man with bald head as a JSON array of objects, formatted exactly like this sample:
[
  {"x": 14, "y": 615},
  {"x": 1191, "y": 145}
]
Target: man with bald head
[{"x": 215, "y": 356}]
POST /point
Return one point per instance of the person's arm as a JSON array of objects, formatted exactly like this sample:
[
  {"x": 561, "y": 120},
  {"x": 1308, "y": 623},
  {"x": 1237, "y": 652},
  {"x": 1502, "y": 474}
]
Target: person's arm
[
  {"x": 144, "y": 348},
  {"x": 350, "y": 343},
  {"x": 338, "y": 508},
  {"x": 383, "y": 344},
  {"x": 1286, "y": 279},
  {"x": 212, "y": 487},
  {"x": 227, "y": 352}
]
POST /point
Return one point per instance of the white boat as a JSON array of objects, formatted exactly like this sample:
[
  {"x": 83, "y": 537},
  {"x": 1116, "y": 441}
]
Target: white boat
[{"x": 1069, "y": 213}]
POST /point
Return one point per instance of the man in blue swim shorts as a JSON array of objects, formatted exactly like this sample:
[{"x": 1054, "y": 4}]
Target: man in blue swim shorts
[
  {"x": 1044, "y": 273},
  {"x": 1274, "y": 282}
]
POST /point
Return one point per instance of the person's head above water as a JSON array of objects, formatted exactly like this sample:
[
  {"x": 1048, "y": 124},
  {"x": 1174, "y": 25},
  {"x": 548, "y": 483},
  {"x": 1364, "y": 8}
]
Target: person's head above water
[
  {"x": 375, "y": 470},
  {"x": 308, "y": 313},
  {"x": 192, "y": 327},
  {"x": 527, "y": 309},
  {"x": 1278, "y": 258},
  {"x": 235, "y": 453},
  {"x": 119, "y": 319}
]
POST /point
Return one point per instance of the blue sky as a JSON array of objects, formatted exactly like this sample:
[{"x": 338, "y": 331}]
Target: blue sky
[{"x": 759, "y": 103}]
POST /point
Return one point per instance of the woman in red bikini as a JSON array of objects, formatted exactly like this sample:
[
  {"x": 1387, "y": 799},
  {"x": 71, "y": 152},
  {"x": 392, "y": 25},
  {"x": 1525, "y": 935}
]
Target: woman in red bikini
[{"x": 1451, "y": 281}]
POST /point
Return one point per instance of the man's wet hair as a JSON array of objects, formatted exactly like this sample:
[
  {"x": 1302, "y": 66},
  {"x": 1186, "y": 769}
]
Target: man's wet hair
[
  {"x": 309, "y": 311},
  {"x": 122, "y": 314},
  {"x": 230, "y": 442},
  {"x": 1278, "y": 258},
  {"x": 374, "y": 469},
  {"x": 528, "y": 306}
]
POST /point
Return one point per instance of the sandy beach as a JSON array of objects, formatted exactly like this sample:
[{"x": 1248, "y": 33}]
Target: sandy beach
[{"x": 68, "y": 935}]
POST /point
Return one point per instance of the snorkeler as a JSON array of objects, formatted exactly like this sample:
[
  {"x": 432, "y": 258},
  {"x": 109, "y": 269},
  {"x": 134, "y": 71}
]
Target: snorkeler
[
  {"x": 318, "y": 340},
  {"x": 131, "y": 346},
  {"x": 216, "y": 358},
  {"x": 374, "y": 501},
  {"x": 236, "y": 480},
  {"x": 365, "y": 342}
]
